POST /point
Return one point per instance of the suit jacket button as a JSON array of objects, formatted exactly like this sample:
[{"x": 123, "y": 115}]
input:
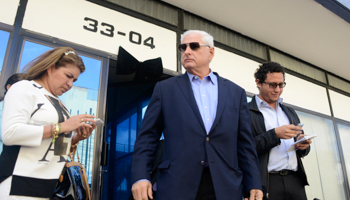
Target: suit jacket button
[
  {"x": 202, "y": 162},
  {"x": 207, "y": 138}
]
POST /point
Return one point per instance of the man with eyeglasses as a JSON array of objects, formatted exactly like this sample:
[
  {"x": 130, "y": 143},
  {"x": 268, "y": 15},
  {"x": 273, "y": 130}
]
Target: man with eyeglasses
[
  {"x": 209, "y": 150},
  {"x": 275, "y": 128}
]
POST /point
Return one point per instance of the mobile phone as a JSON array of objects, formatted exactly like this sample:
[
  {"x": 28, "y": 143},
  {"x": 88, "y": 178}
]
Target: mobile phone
[
  {"x": 301, "y": 125},
  {"x": 98, "y": 122}
]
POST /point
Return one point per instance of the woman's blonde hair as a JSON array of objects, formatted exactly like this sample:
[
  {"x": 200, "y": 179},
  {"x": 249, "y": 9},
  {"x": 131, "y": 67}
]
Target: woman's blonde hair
[{"x": 59, "y": 57}]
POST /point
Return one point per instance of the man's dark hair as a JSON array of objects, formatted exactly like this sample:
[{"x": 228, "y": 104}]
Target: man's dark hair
[
  {"x": 10, "y": 81},
  {"x": 13, "y": 79},
  {"x": 269, "y": 67}
]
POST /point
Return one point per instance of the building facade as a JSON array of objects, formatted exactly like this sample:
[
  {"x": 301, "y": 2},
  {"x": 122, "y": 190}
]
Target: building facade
[{"x": 318, "y": 82}]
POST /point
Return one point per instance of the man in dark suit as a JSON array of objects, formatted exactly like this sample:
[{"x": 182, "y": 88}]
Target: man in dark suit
[{"x": 209, "y": 151}]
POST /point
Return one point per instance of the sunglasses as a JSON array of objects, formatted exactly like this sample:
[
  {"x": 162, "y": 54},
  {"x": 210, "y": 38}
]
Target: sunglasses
[
  {"x": 193, "y": 45},
  {"x": 274, "y": 85}
]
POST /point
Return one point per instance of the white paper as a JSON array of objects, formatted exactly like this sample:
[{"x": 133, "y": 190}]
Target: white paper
[{"x": 306, "y": 137}]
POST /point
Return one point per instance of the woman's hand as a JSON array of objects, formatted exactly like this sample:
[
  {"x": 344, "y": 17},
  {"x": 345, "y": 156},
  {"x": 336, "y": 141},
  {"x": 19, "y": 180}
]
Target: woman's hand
[
  {"x": 76, "y": 122},
  {"x": 84, "y": 132}
]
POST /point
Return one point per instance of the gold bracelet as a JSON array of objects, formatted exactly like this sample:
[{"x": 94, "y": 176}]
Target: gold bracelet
[
  {"x": 59, "y": 130},
  {"x": 55, "y": 132}
]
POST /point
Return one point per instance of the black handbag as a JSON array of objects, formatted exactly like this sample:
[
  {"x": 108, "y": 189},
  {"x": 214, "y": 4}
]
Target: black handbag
[{"x": 73, "y": 183}]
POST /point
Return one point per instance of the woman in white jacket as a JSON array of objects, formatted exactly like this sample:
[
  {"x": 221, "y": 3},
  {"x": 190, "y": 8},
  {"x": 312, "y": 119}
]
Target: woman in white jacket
[{"x": 37, "y": 129}]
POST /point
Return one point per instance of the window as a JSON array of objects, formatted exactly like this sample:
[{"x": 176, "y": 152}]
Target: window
[
  {"x": 346, "y": 3},
  {"x": 82, "y": 99},
  {"x": 30, "y": 51},
  {"x": 322, "y": 165},
  {"x": 126, "y": 134},
  {"x": 344, "y": 132},
  {"x": 4, "y": 38}
]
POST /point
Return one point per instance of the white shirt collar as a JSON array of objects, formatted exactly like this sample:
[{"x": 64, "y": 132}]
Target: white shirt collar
[{"x": 260, "y": 102}]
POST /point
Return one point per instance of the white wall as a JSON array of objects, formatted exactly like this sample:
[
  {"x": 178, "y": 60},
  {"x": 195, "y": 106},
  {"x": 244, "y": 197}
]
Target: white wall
[
  {"x": 236, "y": 68},
  {"x": 297, "y": 92},
  {"x": 306, "y": 95},
  {"x": 105, "y": 30},
  {"x": 340, "y": 105},
  {"x": 8, "y": 11}
]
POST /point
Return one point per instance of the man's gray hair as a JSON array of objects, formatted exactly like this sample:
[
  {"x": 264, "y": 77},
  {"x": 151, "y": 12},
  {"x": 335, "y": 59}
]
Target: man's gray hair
[{"x": 206, "y": 37}]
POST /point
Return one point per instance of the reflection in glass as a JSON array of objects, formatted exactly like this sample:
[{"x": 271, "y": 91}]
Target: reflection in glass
[
  {"x": 1, "y": 105},
  {"x": 345, "y": 3},
  {"x": 30, "y": 51},
  {"x": 322, "y": 165},
  {"x": 80, "y": 99},
  {"x": 127, "y": 104},
  {"x": 4, "y": 38},
  {"x": 126, "y": 135},
  {"x": 344, "y": 132}
]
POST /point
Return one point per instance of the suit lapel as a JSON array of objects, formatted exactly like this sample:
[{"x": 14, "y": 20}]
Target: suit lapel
[
  {"x": 186, "y": 89},
  {"x": 222, "y": 94}
]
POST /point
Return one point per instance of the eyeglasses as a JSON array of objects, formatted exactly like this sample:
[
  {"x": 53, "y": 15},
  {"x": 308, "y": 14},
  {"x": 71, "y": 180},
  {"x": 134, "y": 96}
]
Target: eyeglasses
[
  {"x": 274, "y": 85},
  {"x": 193, "y": 45}
]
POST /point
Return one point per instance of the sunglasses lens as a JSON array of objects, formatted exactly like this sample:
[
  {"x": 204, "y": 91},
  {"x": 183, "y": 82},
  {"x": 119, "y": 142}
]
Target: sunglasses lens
[
  {"x": 194, "y": 45},
  {"x": 182, "y": 47}
]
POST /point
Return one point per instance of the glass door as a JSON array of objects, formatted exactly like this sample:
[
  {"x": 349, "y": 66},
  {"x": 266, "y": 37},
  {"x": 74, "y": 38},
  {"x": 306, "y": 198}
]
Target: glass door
[
  {"x": 127, "y": 105},
  {"x": 127, "y": 101}
]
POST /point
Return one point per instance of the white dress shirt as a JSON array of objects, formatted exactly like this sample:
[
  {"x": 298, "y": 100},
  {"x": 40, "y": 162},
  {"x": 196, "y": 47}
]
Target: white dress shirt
[
  {"x": 279, "y": 158},
  {"x": 205, "y": 92}
]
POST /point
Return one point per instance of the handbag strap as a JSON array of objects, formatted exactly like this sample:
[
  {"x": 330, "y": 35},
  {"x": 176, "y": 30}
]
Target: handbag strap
[
  {"x": 82, "y": 171},
  {"x": 72, "y": 154}
]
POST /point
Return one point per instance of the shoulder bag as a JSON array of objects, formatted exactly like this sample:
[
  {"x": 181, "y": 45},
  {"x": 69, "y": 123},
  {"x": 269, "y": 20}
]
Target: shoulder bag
[{"x": 73, "y": 183}]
